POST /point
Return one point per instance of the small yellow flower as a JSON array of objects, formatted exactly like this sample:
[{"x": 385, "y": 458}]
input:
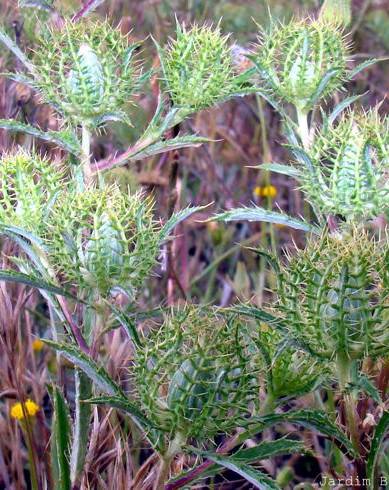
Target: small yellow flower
[
  {"x": 30, "y": 408},
  {"x": 265, "y": 191},
  {"x": 37, "y": 345},
  {"x": 269, "y": 191}
]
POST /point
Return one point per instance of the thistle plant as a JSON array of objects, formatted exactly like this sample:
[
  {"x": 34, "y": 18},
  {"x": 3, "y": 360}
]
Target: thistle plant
[
  {"x": 198, "y": 68},
  {"x": 86, "y": 70}
]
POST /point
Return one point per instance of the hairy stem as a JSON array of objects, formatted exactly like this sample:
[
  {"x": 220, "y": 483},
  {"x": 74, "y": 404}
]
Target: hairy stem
[{"x": 85, "y": 144}]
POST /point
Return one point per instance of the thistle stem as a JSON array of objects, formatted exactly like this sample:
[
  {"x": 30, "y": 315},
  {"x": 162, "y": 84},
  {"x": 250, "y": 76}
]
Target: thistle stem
[
  {"x": 302, "y": 120},
  {"x": 344, "y": 367},
  {"x": 85, "y": 145},
  {"x": 166, "y": 461}
]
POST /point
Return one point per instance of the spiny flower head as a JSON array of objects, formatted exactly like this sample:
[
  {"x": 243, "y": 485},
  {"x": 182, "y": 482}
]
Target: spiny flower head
[
  {"x": 334, "y": 294},
  {"x": 86, "y": 70},
  {"x": 28, "y": 187},
  {"x": 350, "y": 163},
  {"x": 198, "y": 67},
  {"x": 294, "y": 59},
  {"x": 193, "y": 375},
  {"x": 28, "y": 408},
  {"x": 103, "y": 238}
]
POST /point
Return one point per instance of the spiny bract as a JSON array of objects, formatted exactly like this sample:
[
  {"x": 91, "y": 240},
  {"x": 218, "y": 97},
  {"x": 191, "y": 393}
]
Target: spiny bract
[
  {"x": 334, "y": 294},
  {"x": 193, "y": 377},
  {"x": 86, "y": 70},
  {"x": 294, "y": 59},
  {"x": 198, "y": 67},
  {"x": 29, "y": 184},
  {"x": 103, "y": 238},
  {"x": 349, "y": 170}
]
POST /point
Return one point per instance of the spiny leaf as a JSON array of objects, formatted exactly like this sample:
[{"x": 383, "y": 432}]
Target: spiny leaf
[
  {"x": 60, "y": 444},
  {"x": 128, "y": 324},
  {"x": 364, "y": 65},
  {"x": 375, "y": 450},
  {"x": 255, "y": 477},
  {"x": 339, "y": 108},
  {"x": 312, "y": 419},
  {"x": 257, "y": 213},
  {"x": 32, "y": 281},
  {"x": 64, "y": 139},
  {"x": 177, "y": 218},
  {"x": 325, "y": 81},
  {"x": 14, "y": 48},
  {"x": 95, "y": 372},
  {"x": 279, "y": 168},
  {"x": 177, "y": 143},
  {"x": 37, "y": 4}
]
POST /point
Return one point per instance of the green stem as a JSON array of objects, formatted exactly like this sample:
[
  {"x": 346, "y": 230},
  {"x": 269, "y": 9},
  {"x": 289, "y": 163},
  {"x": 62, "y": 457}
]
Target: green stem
[
  {"x": 302, "y": 120},
  {"x": 166, "y": 461},
  {"x": 26, "y": 428},
  {"x": 344, "y": 368},
  {"x": 83, "y": 171}
]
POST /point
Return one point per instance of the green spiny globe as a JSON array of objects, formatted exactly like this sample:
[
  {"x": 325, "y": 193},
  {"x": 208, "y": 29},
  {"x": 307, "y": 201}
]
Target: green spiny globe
[
  {"x": 103, "y": 238},
  {"x": 86, "y": 70},
  {"x": 198, "y": 67},
  {"x": 350, "y": 163},
  {"x": 29, "y": 185},
  {"x": 334, "y": 295},
  {"x": 293, "y": 60},
  {"x": 193, "y": 377}
]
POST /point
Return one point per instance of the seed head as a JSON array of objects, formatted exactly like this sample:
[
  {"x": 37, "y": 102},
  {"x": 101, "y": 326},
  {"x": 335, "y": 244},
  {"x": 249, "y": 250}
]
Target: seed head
[{"x": 295, "y": 58}]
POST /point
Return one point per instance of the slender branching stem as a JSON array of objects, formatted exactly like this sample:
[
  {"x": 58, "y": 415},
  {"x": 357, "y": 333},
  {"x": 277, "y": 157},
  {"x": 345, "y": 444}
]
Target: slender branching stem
[
  {"x": 26, "y": 428},
  {"x": 166, "y": 461}
]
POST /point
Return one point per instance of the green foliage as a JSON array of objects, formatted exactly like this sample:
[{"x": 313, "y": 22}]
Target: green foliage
[
  {"x": 193, "y": 376},
  {"x": 294, "y": 59},
  {"x": 349, "y": 166},
  {"x": 86, "y": 70},
  {"x": 333, "y": 295},
  {"x": 28, "y": 188},
  {"x": 198, "y": 67},
  {"x": 102, "y": 238}
]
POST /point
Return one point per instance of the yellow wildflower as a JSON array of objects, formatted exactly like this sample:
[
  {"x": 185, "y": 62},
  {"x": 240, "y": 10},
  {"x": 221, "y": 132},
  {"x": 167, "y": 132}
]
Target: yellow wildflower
[
  {"x": 265, "y": 191},
  {"x": 30, "y": 409},
  {"x": 37, "y": 345}
]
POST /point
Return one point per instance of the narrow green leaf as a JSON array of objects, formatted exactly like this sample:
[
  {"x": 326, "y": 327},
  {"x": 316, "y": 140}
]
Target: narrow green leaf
[
  {"x": 83, "y": 391},
  {"x": 14, "y": 48},
  {"x": 339, "y": 108},
  {"x": 33, "y": 281},
  {"x": 177, "y": 143},
  {"x": 258, "y": 314},
  {"x": 257, "y": 213},
  {"x": 312, "y": 419},
  {"x": 177, "y": 218},
  {"x": 60, "y": 442},
  {"x": 322, "y": 86},
  {"x": 376, "y": 447},
  {"x": 352, "y": 74},
  {"x": 129, "y": 324},
  {"x": 364, "y": 384},
  {"x": 95, "y": 372},
  {"x": 279, "y": 168},
  {"x": 64, "y": 139},
  {"x": 255, "y": 477}
]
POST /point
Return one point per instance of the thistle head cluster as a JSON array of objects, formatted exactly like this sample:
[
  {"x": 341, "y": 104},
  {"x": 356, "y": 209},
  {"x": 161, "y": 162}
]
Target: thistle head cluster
[
  {"x": 334, "y": 296},
  {"x": 295, "y": 59},
  {"x": 349, "y": 170},
  {"x": 103, "y": 238},
  {"x": 86, "y": 70},
  {"x": 290, "y": 372},
  {"x": 198, "y": 67},
  {"x": 193, "y": 376},
  {"x": 28, "y": 187}
]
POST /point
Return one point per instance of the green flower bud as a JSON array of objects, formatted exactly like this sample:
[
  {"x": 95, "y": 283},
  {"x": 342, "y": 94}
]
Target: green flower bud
[
  {"x": 334, "y": 296},
  {"x": 103, "y": 239},
  {"x": 350, "y": 163},
  {"x": 28, "y": 187},
  {"x": 198, "y": 67},
  {"x": 86, "y": 70},
  {"x": 295, "y": 59},
  {"x": 193, "y": 376}
]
